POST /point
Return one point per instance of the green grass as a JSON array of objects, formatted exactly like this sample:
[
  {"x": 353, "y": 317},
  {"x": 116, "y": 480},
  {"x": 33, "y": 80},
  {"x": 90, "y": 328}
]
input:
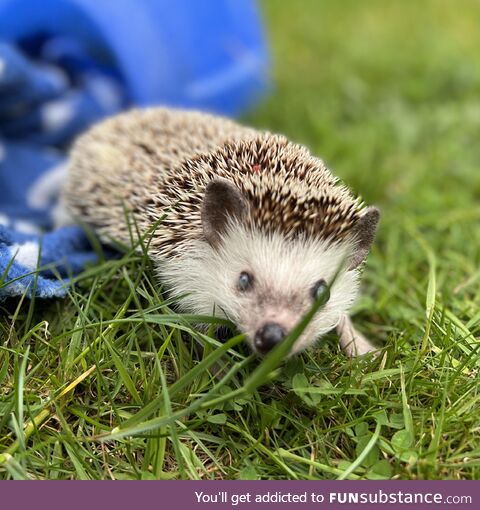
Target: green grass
[{"x": 111, "y": 383}]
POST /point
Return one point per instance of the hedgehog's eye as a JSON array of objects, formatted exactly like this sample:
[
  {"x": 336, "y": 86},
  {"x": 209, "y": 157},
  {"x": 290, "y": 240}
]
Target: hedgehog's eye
[
  {"x": 321, "y": 291},
  {"x": 245, "y": 281}
]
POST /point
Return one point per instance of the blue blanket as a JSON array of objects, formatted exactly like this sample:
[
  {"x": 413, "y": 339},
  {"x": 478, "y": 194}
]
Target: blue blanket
[{"x": 45, "y": 100}]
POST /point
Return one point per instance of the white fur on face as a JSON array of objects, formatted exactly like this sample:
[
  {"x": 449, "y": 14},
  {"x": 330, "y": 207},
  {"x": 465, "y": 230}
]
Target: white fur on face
[{"x": 284, "y": 272}]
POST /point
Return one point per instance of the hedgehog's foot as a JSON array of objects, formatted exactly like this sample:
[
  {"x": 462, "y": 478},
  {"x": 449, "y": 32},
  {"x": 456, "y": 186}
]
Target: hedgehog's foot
[{"x": 352, "y": 342}]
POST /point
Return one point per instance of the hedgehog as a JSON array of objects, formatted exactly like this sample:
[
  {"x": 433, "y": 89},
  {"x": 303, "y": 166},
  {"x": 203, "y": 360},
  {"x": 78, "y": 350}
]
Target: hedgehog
[{"x": 246, "y": 224}]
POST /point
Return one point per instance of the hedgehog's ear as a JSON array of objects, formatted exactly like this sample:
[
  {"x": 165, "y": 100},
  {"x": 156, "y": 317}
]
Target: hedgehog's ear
[
  {"x": 363, "y": 235},
  {"x": 222, "y": 201}
]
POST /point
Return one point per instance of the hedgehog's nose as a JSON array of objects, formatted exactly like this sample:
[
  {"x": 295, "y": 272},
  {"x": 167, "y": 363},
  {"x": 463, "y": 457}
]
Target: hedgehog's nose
[{"x": 268, "y": 336}]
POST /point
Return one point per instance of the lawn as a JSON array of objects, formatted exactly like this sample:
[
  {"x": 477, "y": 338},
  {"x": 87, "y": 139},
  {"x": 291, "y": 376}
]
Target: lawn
[{"x": 112, "y": 383}]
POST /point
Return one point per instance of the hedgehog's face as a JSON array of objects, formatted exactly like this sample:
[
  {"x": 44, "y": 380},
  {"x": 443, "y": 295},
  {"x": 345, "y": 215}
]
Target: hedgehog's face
[{"x": 266, "y": 284}]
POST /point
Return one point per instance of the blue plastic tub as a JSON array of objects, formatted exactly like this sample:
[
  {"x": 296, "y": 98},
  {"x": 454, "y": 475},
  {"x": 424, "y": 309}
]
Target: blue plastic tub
[{"x": 207, "y": 54}]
